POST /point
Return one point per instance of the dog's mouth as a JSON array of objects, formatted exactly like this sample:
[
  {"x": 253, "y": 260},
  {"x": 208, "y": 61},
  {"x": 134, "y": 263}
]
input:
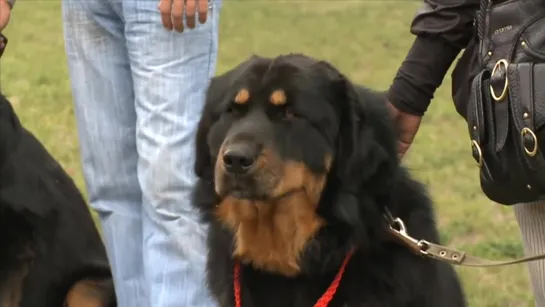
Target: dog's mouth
[
  {"x": 267, "y": 185},
  {"x": 243, "y": 193},
  {"x": 257, "y": 186}
]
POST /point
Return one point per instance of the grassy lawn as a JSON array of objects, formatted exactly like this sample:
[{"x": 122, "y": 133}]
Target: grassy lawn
[{"x": 352, "y": 34}]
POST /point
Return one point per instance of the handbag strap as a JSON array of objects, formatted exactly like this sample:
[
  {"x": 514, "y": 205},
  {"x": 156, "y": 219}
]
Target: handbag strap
[
  {"x": 481, "y": 16},
  {"x": 479, "y": 26}
]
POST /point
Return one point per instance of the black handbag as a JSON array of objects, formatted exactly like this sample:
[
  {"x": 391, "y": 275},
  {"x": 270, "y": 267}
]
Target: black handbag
[{"x": 506, "y": 110}]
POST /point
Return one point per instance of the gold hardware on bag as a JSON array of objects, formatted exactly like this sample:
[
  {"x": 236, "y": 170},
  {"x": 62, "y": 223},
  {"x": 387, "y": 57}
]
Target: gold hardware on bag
[
  {"x": 500, "y": 97},
  {"x": 523, "y": 133},
  {"x": 476, "y": 149}
]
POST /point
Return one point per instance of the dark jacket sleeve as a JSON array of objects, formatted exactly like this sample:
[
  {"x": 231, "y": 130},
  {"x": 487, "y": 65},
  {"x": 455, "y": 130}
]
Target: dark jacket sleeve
[{"x": 442, "y": 28}]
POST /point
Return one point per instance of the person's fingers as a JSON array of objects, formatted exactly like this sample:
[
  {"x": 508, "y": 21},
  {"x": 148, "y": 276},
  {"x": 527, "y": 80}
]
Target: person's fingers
[
  {"x": 402, "y": 149},
  {"x": 178, "y": 15},
  {"x": 407, "y": 134},
  {"x": 408, "y": 127},
  {"x": 190, "y": 12},
  {"x": 4, "y": 14},
  {"x": 203, "y": 10},
  {"x": 392, "y": 110},
  {"x": 165, "y": 7}
]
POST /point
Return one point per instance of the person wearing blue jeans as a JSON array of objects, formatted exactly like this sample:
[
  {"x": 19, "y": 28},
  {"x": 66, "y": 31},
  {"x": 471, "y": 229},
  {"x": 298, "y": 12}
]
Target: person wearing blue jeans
[{"x": 139, "y": 80}]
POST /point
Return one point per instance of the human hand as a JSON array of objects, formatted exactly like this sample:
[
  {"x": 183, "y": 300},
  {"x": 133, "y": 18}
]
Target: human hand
[
  {"x": 172, "y": 13},
  {"x": 5, "y": 11},
  {"x": 407, "y": 126}
]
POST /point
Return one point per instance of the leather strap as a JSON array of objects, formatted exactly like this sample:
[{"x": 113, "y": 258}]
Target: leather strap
[
  {"x": 523, "y": 100},
  {"x": 480, "y": 27},
  {"x": 476, "y": 114},
  {"x": 501, "y": 123},
  {"x": 446, "y": 254},
  {"x": 499, "y": 83},
  {"x": 457, "y": 257}
]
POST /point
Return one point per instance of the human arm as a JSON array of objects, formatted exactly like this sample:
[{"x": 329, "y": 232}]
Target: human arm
[{"x": 442, "y": 29}]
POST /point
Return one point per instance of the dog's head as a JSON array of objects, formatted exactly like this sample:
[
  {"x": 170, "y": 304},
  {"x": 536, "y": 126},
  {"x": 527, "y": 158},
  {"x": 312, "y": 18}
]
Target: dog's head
[{"x": 288, "y": 145}]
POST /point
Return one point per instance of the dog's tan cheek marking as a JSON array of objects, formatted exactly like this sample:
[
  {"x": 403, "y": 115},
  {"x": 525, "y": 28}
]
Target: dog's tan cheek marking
[
  {"x": 268, "y": 169},
  {"x": 328, "y": 162},
  {"x": 298, "y": 176},
  {"x": 86, "y": 293},
  {"x": 242, "y": 97},
  {"x": 278, "y": 98},
  {"x": 11, "y": 289},
  {"x": 218, "y": 171},
  {"x": 271, "y": 236}
]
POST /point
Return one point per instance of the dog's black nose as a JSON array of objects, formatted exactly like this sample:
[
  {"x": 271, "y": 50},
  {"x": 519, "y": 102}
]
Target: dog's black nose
[{"x": 239, "y": 160}]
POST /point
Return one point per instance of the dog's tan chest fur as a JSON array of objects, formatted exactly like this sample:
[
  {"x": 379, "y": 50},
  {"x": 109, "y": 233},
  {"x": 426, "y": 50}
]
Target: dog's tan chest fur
[{"x": 271, "y": 236}]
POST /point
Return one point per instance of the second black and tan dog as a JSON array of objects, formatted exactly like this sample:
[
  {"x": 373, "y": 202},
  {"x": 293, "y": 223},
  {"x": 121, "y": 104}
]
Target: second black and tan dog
[{"x": 51, "y": 254}]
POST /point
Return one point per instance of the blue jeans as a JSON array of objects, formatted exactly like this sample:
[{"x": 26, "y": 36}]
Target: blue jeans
[{"x": 138, "y": 92}]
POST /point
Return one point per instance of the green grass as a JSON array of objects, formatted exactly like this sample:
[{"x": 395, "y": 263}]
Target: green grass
[{"x": 367, "y": 40}]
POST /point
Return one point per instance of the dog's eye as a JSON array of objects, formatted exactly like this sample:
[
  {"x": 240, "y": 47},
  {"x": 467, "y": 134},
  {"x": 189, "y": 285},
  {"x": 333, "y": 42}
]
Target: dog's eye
[
  {"x": 289, "y": 113},
  {"x": 234, "y": 110}
]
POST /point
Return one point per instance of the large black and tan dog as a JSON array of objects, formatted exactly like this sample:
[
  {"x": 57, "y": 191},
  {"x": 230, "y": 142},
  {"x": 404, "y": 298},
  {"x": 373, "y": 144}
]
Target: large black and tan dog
[
  {"x": 51, "y": 254},
  {"x": 297, "y": 168}
]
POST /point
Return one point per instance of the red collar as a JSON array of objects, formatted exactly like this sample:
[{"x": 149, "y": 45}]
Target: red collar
[{"x": 322, "y": 302}]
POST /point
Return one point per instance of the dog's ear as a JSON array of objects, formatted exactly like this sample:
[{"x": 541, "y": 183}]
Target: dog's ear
[
  {"x": 366, "y": 162},
  {"x": 203, "y": 160},
  {"x": 366, "y": 139}
]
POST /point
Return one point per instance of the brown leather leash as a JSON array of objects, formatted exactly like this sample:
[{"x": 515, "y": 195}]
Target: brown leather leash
[{"x": 443, "y": 253}]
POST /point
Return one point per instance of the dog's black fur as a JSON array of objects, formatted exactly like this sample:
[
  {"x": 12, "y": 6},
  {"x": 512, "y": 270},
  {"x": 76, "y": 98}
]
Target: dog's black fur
[
  {"x": 47, "y": 236},
  {"x": 325, "y": 115}
]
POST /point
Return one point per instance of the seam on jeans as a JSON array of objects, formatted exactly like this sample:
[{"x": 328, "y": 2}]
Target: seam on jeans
[{"x": 211, "y": 37}]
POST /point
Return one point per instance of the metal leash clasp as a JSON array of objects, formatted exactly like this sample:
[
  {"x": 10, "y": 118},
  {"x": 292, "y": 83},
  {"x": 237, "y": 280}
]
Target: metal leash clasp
[{"x": 418, "y": 246}]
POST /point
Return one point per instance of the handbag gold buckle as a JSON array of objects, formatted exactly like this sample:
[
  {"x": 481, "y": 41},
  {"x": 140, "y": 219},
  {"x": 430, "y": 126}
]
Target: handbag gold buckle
[
  {"x": 523, "y": 133},
  {"x": 498, "y": 98},
  {"x": 477, "y": 152}
]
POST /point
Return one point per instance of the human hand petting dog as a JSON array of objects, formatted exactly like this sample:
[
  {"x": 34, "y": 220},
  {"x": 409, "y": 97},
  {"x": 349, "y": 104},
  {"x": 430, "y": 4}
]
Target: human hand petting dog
[
  {"x": 5, "y": 10},
  {"x": 407, "y": 126},
  {"x": 173, "y": 11}
]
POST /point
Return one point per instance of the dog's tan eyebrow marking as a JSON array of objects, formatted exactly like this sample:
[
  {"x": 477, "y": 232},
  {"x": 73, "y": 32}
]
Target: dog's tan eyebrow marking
[
  {"x": 278, "y": 98},
  {"x": 242, "y": 97}
]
